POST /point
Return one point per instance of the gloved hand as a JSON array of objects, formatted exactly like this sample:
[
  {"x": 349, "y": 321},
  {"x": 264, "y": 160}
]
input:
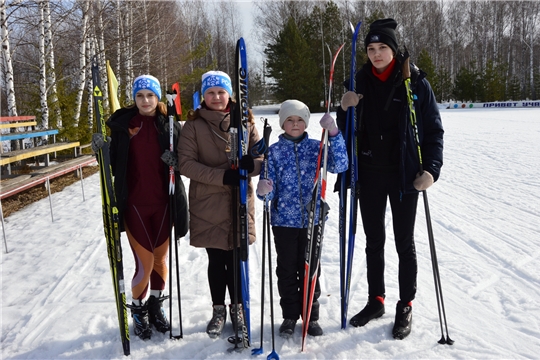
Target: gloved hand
[
  {"x": 350, "y": 98},
  {"x": 246, "y": 163},
  {"x": 265, "y": 186},
  {"x": 170, "y": 158},
  {"x": 327, "y": 122},
  {"x": 98, "y": 141},
  {"x": 232, "y": 177},
  {"x": 423, "y": 181}
]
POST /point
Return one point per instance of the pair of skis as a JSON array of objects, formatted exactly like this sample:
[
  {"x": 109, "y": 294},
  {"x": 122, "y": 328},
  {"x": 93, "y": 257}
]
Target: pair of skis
[
  {"x": 346, "y": 248},
  {"x": 314, "y": 243},
  {"x": 110, "y": 213},
  {"x": 239, "y": 141}
]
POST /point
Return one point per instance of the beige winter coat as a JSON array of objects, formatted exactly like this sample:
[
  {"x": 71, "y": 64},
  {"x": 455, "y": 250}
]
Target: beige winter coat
[{"x": 202, "y": 158}]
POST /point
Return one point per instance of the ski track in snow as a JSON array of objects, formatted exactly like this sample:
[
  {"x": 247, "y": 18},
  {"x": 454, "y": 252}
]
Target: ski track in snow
[{"x": 58, "y": 300}]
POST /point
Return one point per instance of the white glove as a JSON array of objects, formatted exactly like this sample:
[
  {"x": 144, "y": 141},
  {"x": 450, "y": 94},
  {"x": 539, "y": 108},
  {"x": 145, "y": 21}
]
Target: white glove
[
  {"x": 423, "y": 181},
  {"x": 327, "y": 122},
  {"x": 264, "y": 187}
]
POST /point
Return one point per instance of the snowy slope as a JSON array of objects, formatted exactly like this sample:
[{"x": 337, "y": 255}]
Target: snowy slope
[{"x": 57, "y": 296}]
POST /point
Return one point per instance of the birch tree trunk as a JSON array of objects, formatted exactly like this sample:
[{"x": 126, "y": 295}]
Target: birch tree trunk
[
  {"x": 7, "y": 62},
  {"x": 42, "y": 69},
  {"x": 117, "y": 71},
  {"x": 100, "y": 46},
  {"x": 82, "y": 61},
  {"x": 129, "y": 51},
  {"x": 8, "y": 70},
  {"x": 51, "y": 71},
  {"x": 90, "y": 53}
]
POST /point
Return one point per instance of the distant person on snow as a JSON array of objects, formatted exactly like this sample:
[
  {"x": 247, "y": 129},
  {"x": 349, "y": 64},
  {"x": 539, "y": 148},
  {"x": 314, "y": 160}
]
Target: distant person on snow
[
  {"x": 139, "y": 149},
  {"x": 205, "y": 157},
  {"x": 292, "y": 164},
  {"x": 389, "y": 165}
]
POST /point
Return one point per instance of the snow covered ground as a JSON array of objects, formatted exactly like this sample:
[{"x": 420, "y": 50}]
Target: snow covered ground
[{"x": 57, "y": 296}]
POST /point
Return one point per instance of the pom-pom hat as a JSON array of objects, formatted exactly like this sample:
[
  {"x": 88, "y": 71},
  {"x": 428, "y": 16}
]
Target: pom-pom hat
[
  {"x": 216, "y": 78},
  {"x": 147, "y": 82},
  {"x": 383, "y": 31},
  {"x": 292, "y": 108}
]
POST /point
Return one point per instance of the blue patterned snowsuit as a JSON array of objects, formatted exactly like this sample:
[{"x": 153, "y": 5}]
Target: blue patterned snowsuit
[{"x": 292, "y": 166}]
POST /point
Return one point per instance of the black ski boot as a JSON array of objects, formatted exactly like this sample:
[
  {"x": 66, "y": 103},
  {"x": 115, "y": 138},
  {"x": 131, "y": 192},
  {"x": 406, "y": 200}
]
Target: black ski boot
[
  {"x": 141, "y": 326},
  {"x": 286, "y": 330},
  {"x": 156, "y": 314},
  {"x": 402, "y": 325},
  {"x": 374, "y": 309}
]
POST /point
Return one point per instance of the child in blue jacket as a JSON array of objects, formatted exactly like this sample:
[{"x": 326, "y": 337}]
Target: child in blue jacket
[{"x": 288, "y": 184}]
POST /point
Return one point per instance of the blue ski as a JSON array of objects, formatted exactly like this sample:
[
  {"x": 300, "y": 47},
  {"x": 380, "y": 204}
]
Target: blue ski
[{"x": 350, "y": 138}]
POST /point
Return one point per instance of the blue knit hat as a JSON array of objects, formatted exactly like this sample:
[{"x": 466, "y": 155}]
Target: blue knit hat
[
  {"x": 147, "y": 82},
  {"x": 216, "y": 78}
]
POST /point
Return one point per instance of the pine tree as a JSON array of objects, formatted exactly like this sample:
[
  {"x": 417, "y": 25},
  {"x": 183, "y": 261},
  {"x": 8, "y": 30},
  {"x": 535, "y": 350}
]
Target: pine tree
[{"x": 291, "y": 67}]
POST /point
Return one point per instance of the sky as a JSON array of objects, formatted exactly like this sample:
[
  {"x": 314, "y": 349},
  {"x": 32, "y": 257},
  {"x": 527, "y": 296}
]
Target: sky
[{"x": 58, "y": 303}]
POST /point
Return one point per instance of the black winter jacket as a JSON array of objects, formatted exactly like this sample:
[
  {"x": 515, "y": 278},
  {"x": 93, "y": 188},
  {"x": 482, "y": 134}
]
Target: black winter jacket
[
  {"x": 428, "y": 119},
  {"x": 119, "y": 150}
]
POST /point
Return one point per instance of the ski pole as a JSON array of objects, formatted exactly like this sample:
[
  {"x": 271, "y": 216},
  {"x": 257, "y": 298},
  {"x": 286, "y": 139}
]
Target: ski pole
[
  {"x": 181, "y": 335},
  {"x": 434, "y": 263},
  {"x": 172, "y": 233},
  {"x": 273, "y": 355},
  {"x": 261, "y": 148},
  {"x": 259, "y": 350},
  {"x": 233, "y": 139}
]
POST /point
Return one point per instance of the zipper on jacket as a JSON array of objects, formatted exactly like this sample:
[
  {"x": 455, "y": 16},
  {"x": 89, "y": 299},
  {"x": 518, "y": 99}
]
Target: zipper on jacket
[{"x": 299, "y": 183}]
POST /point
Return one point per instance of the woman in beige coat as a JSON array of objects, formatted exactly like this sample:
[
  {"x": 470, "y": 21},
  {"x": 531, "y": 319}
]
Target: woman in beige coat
[{"x": 203, "y": 158}]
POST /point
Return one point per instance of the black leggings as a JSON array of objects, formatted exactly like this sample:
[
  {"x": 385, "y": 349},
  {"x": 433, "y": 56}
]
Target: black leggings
[
  {"x": 375, "y": 189},
  {"x": 221, "y": 276}
]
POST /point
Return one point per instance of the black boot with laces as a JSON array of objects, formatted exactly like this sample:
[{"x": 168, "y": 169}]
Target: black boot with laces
[
  {"x": 156, "y": 314},
  {"x": 216, "y": 324},
  {"x": 237, "y": 318},
  {"x": 141, "y": 326}
]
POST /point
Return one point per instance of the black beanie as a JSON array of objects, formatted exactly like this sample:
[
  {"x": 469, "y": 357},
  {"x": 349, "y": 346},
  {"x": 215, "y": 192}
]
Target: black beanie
[{"x": 382, "y": 31}]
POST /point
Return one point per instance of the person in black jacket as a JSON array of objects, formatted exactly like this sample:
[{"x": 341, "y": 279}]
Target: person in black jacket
[
  {"x": 389, "y": 165},
  {"x": 140, "y": 160}
]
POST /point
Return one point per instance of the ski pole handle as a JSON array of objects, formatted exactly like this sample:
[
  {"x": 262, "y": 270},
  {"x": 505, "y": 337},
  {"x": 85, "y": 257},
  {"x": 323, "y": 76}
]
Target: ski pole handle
[{"x": 406, "y": 70}]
